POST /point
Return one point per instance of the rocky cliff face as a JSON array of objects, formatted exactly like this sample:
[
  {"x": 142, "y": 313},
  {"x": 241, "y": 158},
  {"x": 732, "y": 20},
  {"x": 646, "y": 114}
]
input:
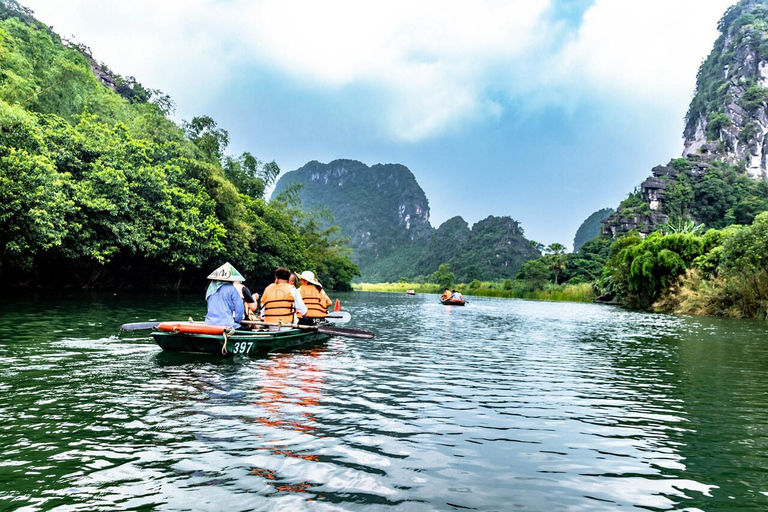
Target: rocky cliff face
[{"x": 727, "y": 117}]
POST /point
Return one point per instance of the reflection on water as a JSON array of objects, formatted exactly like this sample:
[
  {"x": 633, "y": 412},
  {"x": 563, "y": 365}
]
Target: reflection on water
[{"x": 498, "y": 405}]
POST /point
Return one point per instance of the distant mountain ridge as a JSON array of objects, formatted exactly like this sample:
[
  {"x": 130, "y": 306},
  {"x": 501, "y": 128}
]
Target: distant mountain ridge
[{"x": 385, "y": 214}]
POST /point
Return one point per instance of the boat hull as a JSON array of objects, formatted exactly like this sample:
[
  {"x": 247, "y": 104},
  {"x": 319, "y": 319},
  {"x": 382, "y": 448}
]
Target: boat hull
[
  {"x": 256, "y": 342},
  {"x": 453, "y": 302}
]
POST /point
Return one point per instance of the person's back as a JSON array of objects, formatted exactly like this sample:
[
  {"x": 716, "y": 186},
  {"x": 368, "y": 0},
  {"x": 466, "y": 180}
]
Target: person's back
[
  {"x": 316, "y": 300},
  {"x": 277, "y": 303},
  {"x": 456, "y": 296},
  {"x": 225, "y": 307}
]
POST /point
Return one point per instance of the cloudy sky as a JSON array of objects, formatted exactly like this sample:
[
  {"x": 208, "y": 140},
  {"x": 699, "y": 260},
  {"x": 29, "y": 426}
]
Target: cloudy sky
[{"x": 543, "y": 110}]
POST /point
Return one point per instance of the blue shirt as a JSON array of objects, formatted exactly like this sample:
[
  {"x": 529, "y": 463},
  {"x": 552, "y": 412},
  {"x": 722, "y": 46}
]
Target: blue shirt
[{"x": 225, "y": 307}]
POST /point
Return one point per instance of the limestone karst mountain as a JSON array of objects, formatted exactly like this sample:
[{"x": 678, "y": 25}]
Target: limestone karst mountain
[
  {"x": 721, "y": 177},
  {"x": 385, "y": 214}
]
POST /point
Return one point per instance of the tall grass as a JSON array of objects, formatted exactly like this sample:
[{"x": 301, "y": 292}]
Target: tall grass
[
  {"x": 512, "y": 289},
  {"x": 397, "y": 287}
]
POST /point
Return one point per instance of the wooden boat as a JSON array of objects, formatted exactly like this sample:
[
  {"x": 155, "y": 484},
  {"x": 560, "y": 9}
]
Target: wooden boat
[
  {"x": 451, "y": 302},
  {"x": 214, "y": 339}
]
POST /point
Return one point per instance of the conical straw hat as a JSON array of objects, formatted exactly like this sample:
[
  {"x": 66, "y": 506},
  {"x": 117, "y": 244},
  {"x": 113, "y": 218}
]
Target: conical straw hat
[{"x": 226, "y": 272}]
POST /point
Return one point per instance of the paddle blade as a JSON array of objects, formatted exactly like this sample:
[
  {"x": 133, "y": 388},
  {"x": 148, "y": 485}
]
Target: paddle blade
[
  {"x": 349, "y": 333},
  {"x": 139, "y": 326},
  {"x": 339, "y": 317}
]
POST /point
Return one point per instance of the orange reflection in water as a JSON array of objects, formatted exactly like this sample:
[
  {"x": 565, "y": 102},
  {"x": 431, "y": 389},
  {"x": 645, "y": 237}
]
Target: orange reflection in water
[
  {"x": 280, "y": 395},
  {"x": 279, "y": 391}
]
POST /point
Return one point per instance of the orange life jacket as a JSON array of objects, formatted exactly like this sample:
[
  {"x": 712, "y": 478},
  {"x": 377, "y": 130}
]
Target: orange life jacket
[
  {"x": 277, "y": 303},
  {"x": 317, "y": 301}
]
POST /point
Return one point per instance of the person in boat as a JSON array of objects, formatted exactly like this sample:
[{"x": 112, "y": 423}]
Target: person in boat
[
  {"x": 446, "y": 294},
  {"x": 225, "y": 305},
  {"x": 281, "y": 301},
  {"x": 314, "y": 297},
  {"x": 455, "y": 295},
  {"x": 250, "y": 301}
]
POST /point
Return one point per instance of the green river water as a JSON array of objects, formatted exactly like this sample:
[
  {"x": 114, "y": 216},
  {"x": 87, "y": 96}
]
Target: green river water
[{"x": 499, "y": 405}]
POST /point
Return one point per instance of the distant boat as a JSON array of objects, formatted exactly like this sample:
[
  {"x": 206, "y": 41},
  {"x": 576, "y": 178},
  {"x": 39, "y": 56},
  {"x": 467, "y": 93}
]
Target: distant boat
[{"x": 410, "y": 292}]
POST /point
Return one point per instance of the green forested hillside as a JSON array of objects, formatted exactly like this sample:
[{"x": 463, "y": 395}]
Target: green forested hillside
[
  {"x": 384, "y": 213},
  {"x": 99, "y": 188},
  {"x": 590, "y": 228},
  {"x": 495, "y": 248}
]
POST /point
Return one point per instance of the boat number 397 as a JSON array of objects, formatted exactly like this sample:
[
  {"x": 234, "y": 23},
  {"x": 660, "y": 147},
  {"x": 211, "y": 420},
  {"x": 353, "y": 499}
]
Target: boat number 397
[{"x": 242, "y": 347}]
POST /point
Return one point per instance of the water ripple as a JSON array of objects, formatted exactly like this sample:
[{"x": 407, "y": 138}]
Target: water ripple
[{"x": 502, "y": 404}]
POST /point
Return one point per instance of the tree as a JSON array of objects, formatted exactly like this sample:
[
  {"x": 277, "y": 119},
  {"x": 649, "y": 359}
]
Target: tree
[
  {"x": 203, "y": 132},
  {"x": 555, "y": 258},
  {"x": 250, "y": 175},
  {"x": 536, "y": 272},
  {"x": 587, "y": 264},
  {"x": 643, "y": 270},
  {"x": 443, "y": 276}
]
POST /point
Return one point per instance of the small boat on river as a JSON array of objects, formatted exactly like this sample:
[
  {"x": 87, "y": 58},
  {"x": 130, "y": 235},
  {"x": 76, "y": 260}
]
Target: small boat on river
[
  {"x": 201, "y": 338},
  {"x": 452, "y": 302}
]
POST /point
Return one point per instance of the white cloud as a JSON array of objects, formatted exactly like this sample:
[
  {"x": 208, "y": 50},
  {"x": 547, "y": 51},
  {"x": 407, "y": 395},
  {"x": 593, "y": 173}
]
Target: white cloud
[
  {"x": 649, "y": 50},
  {"x": 433, "y": 64}
]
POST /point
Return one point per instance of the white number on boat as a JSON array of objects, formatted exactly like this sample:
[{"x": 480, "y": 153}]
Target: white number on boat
[{"x": 242, "y": 347}]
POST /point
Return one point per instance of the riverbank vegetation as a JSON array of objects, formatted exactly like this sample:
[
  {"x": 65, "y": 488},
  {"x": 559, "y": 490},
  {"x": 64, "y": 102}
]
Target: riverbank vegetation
[
  {"x": 680, "y": 269},
  {"x": 507, "y": 288},
  {"x": 99, "y": 188}
]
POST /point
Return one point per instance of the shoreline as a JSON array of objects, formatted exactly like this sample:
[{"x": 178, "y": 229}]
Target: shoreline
[{"x": 556, "y": 293}]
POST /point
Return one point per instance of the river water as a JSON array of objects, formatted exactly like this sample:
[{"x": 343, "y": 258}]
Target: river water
[{"x": 499, "y": 405}]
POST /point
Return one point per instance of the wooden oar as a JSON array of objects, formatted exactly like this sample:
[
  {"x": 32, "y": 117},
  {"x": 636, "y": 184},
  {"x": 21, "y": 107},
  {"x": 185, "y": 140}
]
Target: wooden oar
[
  {"x": 139, "y": 326},
  {"x": 323, "y": 329}
]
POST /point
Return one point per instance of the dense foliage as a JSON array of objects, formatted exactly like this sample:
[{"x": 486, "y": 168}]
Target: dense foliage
[
  {"x": 720, "y": 272},
  {"x": 99, "y": 188},
  {"x": 639, "y": 271},
  {"x": 722, "y": 196}
]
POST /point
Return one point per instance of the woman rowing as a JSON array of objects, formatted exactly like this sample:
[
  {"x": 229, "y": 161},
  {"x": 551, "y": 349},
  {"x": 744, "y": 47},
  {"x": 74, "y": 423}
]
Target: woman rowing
[{"x": 225, "y": 304}]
